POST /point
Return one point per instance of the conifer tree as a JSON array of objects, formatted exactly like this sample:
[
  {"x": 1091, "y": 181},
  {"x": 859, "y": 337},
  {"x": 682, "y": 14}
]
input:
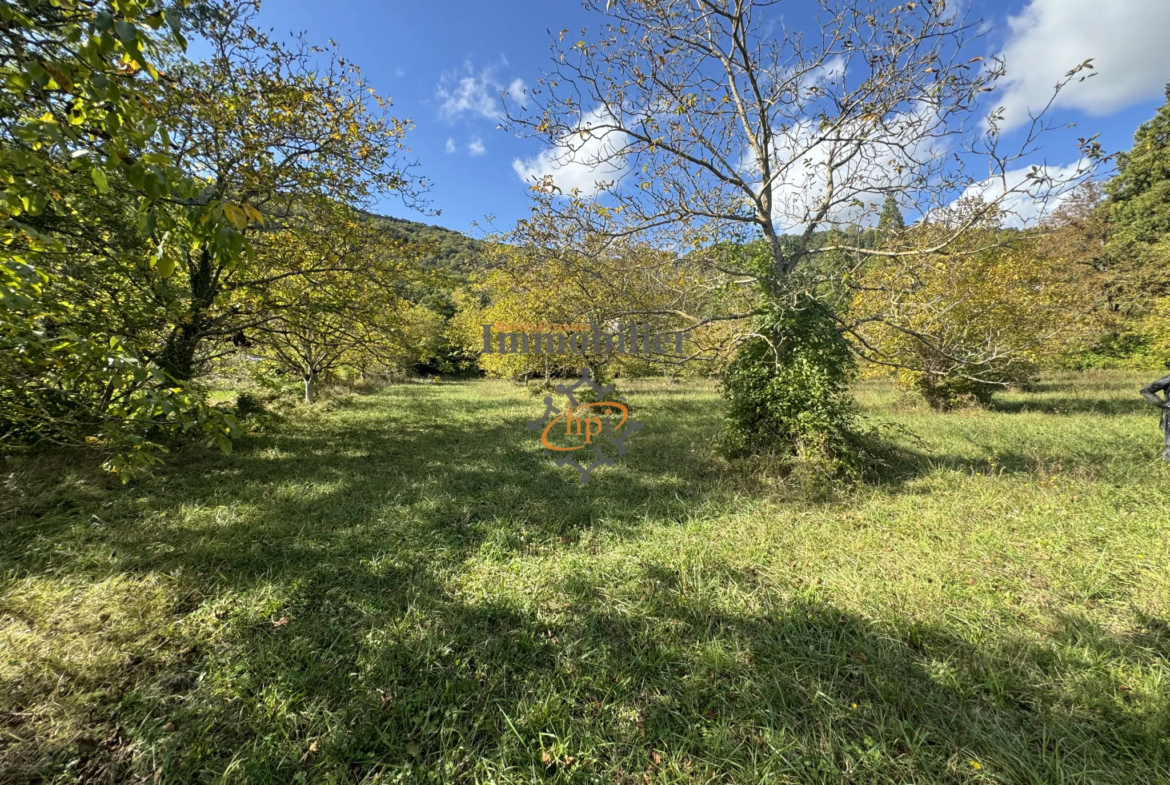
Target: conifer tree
[{"x": 890, "y": 219}]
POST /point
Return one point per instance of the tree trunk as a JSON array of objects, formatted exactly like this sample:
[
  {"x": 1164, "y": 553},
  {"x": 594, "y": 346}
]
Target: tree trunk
[
  {"x": 178, "y": 356},
  {"x": 309, "y": 378}
]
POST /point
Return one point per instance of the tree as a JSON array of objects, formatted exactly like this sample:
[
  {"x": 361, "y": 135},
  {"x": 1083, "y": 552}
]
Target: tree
[
  {"x": 1096, "y": 329},
  {"x": 1137, "y": 254},
  {"x": 702, "y": 122},
  {"x": 279, "y": 134},
  {"x": 552, "y": 270},
  {"x": 1139, "y": 195},
  {"x": 84, "y": 161},
  {"x": 972, "y": 322},
  {"x": 890, "y": 219},
  {"x": 136, "y": 180},
  {"x": 332, "y": 295}
]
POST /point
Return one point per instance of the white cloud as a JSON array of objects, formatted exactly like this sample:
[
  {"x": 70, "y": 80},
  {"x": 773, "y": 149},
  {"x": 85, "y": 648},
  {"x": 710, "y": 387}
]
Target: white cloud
[
  {"x": 518, "y": 92},
  {"x": 878, "y": 160},
  {"x": 581, "y": 160},
  {"x": 1126, "y": 40},
  {"x": 1028, "y": 194},
  {"x": 450, "y": 145},
  {"x": 475, "y": 147},
  {"x": 477, "y": 94}
]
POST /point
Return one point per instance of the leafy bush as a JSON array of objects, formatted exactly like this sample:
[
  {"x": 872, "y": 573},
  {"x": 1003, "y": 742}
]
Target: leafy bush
[
  {"x": 946, "y": 391},
  {"x": 786, "y": 392},
  {"x": 540, "y": 387},
  {"x": 973, "y": 322},
  {"x": 249, "y": 405}
]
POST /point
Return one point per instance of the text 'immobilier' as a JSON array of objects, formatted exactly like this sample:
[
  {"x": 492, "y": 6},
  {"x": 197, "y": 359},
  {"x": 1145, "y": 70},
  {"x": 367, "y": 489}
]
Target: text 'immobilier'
[{"x": 580, "y": 339}]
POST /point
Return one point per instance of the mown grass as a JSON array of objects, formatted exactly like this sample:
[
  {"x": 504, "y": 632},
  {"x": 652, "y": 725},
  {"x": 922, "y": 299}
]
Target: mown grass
[{"x": 404, "y": 588}]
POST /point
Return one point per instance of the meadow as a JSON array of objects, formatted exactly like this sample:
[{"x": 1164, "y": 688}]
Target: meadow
[{"x": 400, "y": 586}]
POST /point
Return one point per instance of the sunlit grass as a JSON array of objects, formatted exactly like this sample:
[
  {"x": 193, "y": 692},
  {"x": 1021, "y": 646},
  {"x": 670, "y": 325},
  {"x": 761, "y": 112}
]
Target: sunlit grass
[{"x": 406, "y": 588}]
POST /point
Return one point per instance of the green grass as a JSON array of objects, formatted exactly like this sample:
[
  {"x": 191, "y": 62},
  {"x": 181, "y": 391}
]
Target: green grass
[{"x": 402, "y": 587}]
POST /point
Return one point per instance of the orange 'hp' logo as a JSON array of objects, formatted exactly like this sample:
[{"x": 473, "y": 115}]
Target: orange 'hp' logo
[
  {"x": 584, "y": 425},
  {"x": 579, "y": 423}
]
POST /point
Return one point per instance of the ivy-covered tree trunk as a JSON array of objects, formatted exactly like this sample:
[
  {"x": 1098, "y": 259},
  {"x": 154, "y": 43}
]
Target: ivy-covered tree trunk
[
  {"x": 787, "y": 389},
  {"x": 182, "y": 345}
]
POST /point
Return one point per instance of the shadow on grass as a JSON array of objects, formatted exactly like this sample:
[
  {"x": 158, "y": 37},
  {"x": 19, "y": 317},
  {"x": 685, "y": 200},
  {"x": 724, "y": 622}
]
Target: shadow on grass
[
  {"x": 1105, "y": 407},
  {"x": 425, "y": 481},
  {"x": 358, "y": 534},
  {"x": 601, "y": 681},
  {"x": 901, "y": 465}
]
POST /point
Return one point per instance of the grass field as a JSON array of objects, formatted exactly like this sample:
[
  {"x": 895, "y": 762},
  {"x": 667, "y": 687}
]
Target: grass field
[{"x": 400, "y": 587}]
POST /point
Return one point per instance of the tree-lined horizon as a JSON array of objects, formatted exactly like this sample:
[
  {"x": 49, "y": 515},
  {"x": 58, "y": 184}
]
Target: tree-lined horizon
[{"x": 169, "y": 218}]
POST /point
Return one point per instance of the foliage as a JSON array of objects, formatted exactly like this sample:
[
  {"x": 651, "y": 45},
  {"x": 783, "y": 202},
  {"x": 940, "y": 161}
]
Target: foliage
[
  {"x": 1137, "y": 256},
  {"x": 329, "y": 296},
  {"x": 76, "y": 108},
  {"x": 549, "y": 271},
  {"x": 973, "y": 321},
  {"x": 786, "y": 390},
  {"x": 439, "y": 247},
  {"x": 134, "y": 179},
  {"x": 890, "y": 218},
  {"x": 249, "y": 405},
  {"x": 293, "y": 133},
  {"x": 1139, "y": 196}
]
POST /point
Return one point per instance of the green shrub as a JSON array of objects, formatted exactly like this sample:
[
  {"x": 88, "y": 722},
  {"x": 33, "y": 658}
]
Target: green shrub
[
  {"x": 786, "y": 392},
  {"x": 947, "y": 391},
  {"x": 249, "y": 405}
]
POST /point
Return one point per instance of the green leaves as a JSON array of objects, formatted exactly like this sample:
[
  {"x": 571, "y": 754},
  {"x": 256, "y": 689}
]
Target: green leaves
[
  {"x": 165, "y": 266},
  {"x": 63, "y": 378},
  {"x": 115, "y": 244},
  {"x": 99, "y": 179}
]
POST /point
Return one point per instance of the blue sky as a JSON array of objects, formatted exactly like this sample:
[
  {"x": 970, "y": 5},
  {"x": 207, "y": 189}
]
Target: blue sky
[{"x": 440, "y": 61}]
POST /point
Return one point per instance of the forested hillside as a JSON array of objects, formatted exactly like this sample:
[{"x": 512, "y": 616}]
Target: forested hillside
[{"x": 445, "y": 248}]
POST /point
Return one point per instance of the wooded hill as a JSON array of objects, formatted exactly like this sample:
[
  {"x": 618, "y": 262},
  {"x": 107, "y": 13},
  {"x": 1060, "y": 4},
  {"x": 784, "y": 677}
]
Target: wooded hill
[{"x": 446, "y": 249}]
